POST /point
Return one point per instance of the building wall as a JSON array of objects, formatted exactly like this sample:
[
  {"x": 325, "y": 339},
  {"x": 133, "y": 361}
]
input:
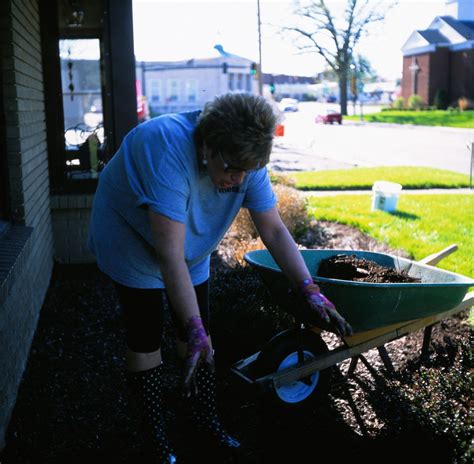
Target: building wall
[
  {"x": 439, "y": 73},
  {"x": 297, "y": 90},
  {"x": 423, "y": 62},
  {"x": 462, "y": 75},
  {"x": 445, "y": 69},
  {"x": 26, "y": 249},
  {"x": 209, "y": 82},
  {"x": 71, "y": 216}
]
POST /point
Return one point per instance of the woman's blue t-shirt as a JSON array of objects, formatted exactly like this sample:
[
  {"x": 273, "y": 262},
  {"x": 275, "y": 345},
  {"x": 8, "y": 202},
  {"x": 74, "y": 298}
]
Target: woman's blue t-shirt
[{"x": 157, "y": 167}]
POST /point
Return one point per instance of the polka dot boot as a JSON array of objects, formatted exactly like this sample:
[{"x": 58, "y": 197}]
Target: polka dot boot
[
  {"x": 147, "y": 390},
  {"x": 203, "y": 410}
]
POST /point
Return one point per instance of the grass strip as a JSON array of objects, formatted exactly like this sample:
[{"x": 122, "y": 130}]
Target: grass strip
[
  {"x": 461, "y": 119},
  {"x": 364, "y": 178},
  {"x": 422, "y": 224}
]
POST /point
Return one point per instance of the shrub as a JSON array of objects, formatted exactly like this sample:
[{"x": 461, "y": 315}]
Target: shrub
[
  {"x": 415, "y": 102},
  {"x": 281, "y": 179},
  {"x": 441, "y": 99},
  {"x": 398, "y": 103},
  {"x": 242, "y": 236},
  {"x": 463, "y": 103},
  {"x": 293, "y": 209}
]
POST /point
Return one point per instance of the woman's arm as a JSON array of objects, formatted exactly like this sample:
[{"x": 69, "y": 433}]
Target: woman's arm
[
  {"x": 168, "y": 238},
  {"x": 284, "y": 250}
]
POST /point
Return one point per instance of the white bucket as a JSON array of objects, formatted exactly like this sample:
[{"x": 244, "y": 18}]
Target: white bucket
[{"x": 385, "y": 195}]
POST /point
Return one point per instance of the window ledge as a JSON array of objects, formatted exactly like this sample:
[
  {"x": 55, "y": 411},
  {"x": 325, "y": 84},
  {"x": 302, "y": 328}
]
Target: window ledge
[{"x": 15, "y": 245}]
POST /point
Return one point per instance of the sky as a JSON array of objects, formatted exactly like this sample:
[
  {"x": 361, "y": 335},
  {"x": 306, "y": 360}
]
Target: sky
[{"x": 178, "y": 30}]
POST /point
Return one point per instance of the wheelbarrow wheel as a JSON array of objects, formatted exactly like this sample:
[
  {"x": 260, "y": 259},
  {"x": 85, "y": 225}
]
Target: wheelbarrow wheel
[{"x": 281, "y": 352}]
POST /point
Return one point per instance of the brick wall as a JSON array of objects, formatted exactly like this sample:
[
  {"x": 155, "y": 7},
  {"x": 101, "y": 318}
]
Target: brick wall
[
  {"x": 26, "y": 250},
  {"x": 439, "y": 73},
  {"x": 71, "y": 214},
  {"x": 423, "y": 62},
  {"x": 462, "y": 75},
  {"x": 452, "y": 71}
]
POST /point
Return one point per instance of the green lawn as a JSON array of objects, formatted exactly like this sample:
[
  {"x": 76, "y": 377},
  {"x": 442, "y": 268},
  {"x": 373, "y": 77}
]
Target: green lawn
[
  {"x": 422, "y": 224},
  {"x": 463, "y": 119},
  {"x": 364, "y": 178}
]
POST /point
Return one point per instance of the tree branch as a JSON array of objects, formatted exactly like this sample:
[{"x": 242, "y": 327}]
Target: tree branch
[{"x": 323, "y": 51}]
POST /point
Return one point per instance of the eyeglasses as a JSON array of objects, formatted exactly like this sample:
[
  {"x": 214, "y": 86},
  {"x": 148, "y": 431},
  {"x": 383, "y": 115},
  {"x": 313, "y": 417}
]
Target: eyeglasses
[{"x": 236, "y": 169}]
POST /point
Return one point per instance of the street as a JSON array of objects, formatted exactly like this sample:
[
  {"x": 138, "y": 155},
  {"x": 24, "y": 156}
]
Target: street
[{"x": 307, "y": 145}]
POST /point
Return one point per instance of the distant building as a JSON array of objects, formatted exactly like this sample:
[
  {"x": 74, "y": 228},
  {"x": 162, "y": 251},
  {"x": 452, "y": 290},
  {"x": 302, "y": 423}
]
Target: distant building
[
  {"x": 325, "y": 91},
  {"x": 175, "y": 86},
  {"x": 379, "y": 92},
  {"x": 441, "y": 57},
  {"x": 285, "y": 86}
]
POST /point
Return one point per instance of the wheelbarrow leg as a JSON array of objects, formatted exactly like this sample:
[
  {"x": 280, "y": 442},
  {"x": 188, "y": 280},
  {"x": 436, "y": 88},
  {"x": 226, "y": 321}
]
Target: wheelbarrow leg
[
  {"x": 352, "y": 366},
  {"x": 385, "y": 359},
  {"x": 426, "y": 342},
  {"x": 369, "y": 367},
  {"x": 387, "y": 362}
]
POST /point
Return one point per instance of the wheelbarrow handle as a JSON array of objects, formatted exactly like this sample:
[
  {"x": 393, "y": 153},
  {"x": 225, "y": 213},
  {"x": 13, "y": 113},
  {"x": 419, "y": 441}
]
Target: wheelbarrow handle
[{"x": 435, "y": 258}]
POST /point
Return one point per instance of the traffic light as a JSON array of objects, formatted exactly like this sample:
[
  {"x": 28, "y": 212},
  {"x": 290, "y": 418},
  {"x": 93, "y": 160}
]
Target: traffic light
[
  {"x": 272, "y": 88},
  {"x": 254, "y": 70},
  {"x": 224, "y": 68}
]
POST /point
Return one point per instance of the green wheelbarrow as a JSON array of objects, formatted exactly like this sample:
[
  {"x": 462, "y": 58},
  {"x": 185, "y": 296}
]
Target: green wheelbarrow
[{"x": 294, "y": 368}]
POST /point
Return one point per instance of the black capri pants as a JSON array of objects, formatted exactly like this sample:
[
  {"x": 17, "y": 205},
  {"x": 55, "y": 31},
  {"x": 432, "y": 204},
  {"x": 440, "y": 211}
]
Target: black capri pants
[{"x": 143, "y": 313}]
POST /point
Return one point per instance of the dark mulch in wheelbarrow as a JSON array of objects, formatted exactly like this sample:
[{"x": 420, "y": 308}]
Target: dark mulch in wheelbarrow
[
  {"x": 72, "y": 405},
  {"x": 350, "y": 267}
]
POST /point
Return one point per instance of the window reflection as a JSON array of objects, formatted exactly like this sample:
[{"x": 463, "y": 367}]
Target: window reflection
[{"x": 81, "y": 86}]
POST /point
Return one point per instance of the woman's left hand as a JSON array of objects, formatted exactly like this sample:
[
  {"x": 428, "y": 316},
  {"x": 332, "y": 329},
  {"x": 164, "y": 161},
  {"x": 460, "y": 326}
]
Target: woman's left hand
[
  {"x": 323, "y": 309},
  {"x": 198, "y": 350}
]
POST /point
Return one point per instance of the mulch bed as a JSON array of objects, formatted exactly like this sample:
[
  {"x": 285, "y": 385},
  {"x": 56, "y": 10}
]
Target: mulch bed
[{"x": 73, "y": 407}]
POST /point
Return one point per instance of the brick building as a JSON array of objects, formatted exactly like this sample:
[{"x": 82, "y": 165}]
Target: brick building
[
  {"x": 48, "y": 173},
  {"x": 440, "y": 59}
]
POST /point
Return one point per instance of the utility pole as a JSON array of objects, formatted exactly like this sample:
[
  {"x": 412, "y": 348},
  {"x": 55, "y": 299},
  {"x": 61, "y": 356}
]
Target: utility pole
[
  {"x": 470, "y": 147},
  {"x": 260, "y": 77},
  {"x": 143, "y": 78}
]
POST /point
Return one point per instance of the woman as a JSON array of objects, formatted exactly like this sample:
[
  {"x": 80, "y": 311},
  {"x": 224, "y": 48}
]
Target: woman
[{"x": 163, "y": 203}]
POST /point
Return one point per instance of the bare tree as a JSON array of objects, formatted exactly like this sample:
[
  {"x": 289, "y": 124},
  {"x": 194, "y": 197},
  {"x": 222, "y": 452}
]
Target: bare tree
[{"x": 333, "y": 37}]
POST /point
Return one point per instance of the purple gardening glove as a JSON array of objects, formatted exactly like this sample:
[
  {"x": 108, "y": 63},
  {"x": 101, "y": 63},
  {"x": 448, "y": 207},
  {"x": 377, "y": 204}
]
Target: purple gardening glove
[
  {"x": 198, "y": 350},
  {"x": 323, "y": 309}
]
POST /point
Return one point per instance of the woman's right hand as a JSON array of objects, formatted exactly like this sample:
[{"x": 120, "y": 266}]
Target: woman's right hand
[{"x": 198, "y": 350}]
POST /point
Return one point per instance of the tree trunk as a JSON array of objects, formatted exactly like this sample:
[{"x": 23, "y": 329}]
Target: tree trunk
[{"x": 343, "y": 92}]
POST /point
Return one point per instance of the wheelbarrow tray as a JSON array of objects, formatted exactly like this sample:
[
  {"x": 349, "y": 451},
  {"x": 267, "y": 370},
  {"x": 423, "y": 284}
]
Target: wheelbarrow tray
[{"x": 367, "y": 305}]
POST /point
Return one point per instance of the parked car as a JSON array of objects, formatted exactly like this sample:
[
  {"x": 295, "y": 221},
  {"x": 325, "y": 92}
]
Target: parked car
[
  {"x": 288, "y": 104},
  {"x": 331, "y": 99},
  {"x": 330, "y": 117}
]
